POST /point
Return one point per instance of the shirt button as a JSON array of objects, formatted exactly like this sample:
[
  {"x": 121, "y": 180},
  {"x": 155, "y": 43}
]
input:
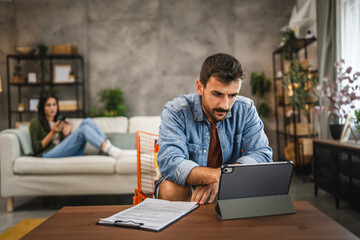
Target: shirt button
[
  {"x": 205, "y": 151},
  {"x": 207, "y": 133}
]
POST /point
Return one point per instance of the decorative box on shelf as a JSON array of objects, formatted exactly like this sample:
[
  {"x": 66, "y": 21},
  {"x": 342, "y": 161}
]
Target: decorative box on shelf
[
  {"x": 68, "y": 105},
  {"x": 301, "y": 128},
  {"x": 64, "y": 49}
]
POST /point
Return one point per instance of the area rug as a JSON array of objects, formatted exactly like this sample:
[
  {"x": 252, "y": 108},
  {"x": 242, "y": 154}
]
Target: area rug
[{"x": 22, "y": 228}]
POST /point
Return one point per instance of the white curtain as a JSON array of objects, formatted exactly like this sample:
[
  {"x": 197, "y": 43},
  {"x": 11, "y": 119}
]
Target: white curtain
[
  {"x": 350, "y": 36},
  {"x": 350, "y": 33}
]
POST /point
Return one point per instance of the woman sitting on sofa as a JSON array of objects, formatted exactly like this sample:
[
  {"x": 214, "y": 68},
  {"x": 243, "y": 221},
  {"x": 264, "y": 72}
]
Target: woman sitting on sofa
[{"x": 52, "y": 137}]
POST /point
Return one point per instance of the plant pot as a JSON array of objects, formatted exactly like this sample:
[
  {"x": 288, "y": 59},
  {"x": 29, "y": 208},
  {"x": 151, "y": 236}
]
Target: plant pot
[{"x": 335, "y": 130}]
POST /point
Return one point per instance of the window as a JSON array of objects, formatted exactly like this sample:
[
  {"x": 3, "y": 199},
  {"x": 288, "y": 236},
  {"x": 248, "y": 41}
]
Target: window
[
  {"x": 350, "y": 33},
  {"x": 350, "y": 36}
]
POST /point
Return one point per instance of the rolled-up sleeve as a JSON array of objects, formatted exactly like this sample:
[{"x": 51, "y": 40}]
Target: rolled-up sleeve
[
  {"x": 255, "y": 143},
  {"x": 173, "y": 156}
]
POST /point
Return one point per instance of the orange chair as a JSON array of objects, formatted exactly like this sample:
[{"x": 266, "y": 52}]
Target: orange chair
[{"x": 147, "y": 168}]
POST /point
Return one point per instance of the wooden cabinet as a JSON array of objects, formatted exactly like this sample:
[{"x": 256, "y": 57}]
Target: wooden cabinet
[{"x": 337, "y": 170}]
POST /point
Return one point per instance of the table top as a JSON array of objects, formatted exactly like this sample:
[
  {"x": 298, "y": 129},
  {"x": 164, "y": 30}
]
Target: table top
[
  {"x": 351, "y": 144},
  {"x": 203, "y": 223}
]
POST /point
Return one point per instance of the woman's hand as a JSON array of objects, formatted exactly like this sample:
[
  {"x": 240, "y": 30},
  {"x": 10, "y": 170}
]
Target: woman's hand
[
  {"x": 58, "y": 127},
  {"x": 67, "y": 128}
]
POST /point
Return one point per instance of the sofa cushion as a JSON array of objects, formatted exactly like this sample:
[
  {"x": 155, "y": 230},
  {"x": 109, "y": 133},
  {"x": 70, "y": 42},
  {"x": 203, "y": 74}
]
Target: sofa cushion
[
  {"x": 122, "y": 140},
  {"x": 126, "y": 165},
  {"x": 106, "y": 124},
  {"x": 68, "y": 165},
  {"x": 144, "y": 123},
  {"x": 24, "y": 138}
]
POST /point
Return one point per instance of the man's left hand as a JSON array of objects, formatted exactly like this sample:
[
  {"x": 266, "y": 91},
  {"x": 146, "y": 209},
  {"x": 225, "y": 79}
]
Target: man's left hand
[{"x": 205, "y": 192}]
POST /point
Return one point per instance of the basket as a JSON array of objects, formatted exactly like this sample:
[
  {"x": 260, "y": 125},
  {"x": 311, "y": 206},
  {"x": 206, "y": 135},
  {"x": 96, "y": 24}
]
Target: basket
[{"x": 64, "y": 49}]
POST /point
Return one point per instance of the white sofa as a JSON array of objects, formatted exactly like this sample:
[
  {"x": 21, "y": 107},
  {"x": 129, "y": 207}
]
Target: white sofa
[{"x": 23, "y": 175}]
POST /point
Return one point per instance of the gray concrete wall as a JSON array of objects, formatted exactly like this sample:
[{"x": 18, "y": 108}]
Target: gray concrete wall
[{"x": 151, "y": 49}]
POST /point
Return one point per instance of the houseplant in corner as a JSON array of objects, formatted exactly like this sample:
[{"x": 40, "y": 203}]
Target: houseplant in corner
[
  {"x": 261, "y": 85},
  {"x": 339, "y": 96},
  {"x": 114, "y": 104}
]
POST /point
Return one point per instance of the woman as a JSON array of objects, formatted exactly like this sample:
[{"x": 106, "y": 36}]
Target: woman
[{"x": 52, "y": 138}]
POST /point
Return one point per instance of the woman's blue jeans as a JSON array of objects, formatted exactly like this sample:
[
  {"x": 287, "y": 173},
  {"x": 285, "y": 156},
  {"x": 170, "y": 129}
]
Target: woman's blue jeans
[{"x": 75, "y": 143}]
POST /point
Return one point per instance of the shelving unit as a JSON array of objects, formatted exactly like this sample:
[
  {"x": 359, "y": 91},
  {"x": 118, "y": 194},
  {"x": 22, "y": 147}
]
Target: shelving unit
[
  {"x": 282, "y": 105},
  {"x": 77, "y": 87}
]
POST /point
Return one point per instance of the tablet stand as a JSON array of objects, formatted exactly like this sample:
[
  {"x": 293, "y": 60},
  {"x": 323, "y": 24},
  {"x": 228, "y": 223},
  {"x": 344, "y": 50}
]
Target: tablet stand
[{"x": 254, "y": 207}]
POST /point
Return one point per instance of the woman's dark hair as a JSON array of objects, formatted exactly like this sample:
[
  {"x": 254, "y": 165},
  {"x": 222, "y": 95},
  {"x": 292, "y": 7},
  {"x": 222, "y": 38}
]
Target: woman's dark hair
[
  {"x": 223, "y": 66},
  {"x": 41, "y": 114}
]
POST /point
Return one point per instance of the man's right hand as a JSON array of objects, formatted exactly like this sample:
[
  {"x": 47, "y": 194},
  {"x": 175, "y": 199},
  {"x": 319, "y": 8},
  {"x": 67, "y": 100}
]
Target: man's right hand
[
  {"x": 207, "y": 183},
  {"x": 203, "y": 193}
]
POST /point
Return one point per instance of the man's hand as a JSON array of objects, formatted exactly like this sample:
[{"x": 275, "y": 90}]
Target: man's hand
[
  {"x": 203, "y": 193},
  {"x": 207, "y": 183}
]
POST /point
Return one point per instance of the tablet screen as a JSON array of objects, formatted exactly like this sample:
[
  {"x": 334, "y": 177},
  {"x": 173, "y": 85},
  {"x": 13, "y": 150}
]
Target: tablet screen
[{"x": 254, "y": 180}]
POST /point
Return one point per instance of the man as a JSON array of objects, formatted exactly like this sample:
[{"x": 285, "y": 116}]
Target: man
[{"x": 200, "y": 132}]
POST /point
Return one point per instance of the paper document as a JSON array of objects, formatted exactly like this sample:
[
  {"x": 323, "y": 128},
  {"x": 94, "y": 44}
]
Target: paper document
[{"x": 151, "y": 214}]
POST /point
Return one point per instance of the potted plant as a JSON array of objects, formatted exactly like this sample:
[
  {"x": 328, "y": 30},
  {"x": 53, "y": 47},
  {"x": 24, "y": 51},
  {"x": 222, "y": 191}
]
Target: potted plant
[
  {"x": 260, "y": 86},
  {"x": 301, "y": 86},
  {"x": 286, "y": 43},
  {"x": 339, "y": 96},
  {"x": 17, "y": 76},
  {"x": 114, "y": 104}
]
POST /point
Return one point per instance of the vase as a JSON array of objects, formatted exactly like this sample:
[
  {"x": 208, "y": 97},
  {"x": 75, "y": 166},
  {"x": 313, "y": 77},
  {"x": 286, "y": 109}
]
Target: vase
[{"x": 335, "y": 130}]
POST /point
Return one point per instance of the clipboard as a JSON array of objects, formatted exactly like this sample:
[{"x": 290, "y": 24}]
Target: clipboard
[
  {"x": 254, "y": 190},
  {"x": 151, "y": 214}
]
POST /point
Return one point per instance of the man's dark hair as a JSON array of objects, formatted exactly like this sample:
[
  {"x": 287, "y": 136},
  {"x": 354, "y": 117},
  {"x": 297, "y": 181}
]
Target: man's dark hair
[{"x": 222, "y": 66}]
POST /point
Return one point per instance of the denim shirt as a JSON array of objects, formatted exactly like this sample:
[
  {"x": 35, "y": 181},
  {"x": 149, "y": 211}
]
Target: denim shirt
[{"x": 184, "y": 137}]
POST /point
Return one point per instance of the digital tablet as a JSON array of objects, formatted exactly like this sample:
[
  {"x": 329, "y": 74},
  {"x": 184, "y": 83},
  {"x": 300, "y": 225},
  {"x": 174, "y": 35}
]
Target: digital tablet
[{"x": 254, "y": 180}]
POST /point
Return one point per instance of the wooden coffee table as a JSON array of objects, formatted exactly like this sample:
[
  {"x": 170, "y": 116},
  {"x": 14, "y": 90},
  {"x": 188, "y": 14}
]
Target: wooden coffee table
[{"x": 203, "y": 223}]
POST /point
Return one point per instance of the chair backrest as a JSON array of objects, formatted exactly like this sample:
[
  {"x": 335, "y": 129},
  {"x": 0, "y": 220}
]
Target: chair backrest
[{"x": 147, "y": 170}]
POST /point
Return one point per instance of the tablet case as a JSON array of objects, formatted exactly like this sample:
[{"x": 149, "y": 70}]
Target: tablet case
[{"x": 253, "y": 190}]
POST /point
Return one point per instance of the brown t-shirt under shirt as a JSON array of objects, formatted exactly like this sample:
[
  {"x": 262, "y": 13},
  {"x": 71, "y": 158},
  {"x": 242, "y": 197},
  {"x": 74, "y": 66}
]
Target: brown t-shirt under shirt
[{"x": 214, "y": 155}]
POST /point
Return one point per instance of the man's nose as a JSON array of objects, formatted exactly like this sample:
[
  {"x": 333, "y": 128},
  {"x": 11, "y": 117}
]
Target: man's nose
[{"x": 224, "y": 104}]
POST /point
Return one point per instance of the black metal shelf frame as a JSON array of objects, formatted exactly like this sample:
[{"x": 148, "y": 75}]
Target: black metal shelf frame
[
  {"x": 297, "y": 45},
  {"x": 79, "y": 84}
]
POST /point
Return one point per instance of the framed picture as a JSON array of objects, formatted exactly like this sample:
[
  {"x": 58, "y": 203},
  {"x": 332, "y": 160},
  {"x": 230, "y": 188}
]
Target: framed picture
[
  {"x": 32, "y": 77},
  {"x": 62, "y": 73},
  {"x": 33, "y": 104},
  {"x": 347, "y": 130}
]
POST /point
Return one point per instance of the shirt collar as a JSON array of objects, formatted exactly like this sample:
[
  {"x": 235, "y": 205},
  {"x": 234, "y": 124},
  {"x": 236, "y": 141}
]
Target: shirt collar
[{"x": 198, "y": 111}]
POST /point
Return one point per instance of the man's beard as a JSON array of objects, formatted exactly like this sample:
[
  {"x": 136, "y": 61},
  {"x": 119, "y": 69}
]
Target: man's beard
[{"x": 212, "y": 113}]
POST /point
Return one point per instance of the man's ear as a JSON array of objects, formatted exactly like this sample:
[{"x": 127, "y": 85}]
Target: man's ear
[{"x": 199, "y": 87}]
